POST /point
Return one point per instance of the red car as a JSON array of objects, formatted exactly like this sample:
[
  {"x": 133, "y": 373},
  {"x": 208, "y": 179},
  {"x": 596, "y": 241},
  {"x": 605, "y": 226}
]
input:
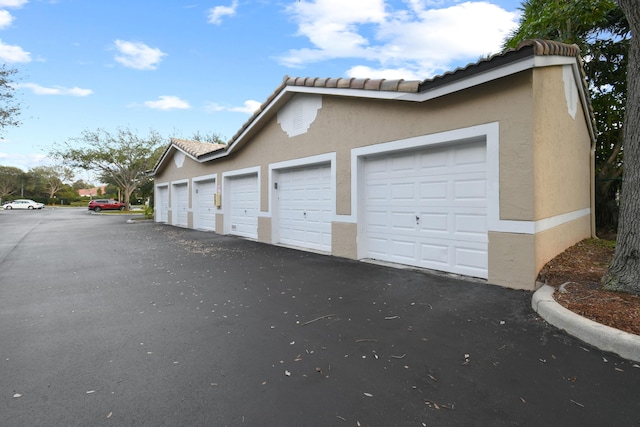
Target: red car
[{"x": 98, "y": 205}]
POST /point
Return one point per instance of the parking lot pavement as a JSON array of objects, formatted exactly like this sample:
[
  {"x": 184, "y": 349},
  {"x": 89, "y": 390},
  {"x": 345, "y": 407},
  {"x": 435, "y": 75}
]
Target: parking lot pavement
[{"x": 147, "y": 324}]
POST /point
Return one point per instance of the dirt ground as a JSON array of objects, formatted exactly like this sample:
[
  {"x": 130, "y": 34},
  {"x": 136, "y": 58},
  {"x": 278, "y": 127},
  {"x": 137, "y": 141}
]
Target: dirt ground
[{"x": 580, "y": 269}]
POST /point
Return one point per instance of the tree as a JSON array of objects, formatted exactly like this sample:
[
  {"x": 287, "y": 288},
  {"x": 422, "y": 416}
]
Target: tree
[
  {"x": 601, "y": 30},
  {"x": 121, "y": 157},
  {"x": 10, "y": 109},
  {"x": 211, "y": 137},
  {"x": 51, "y": 179},
  {"x": 624, "y": 272},
  {"x": 67, "y": 194},
  {"x": 11, "y": 180},
  {"x": 81, "y": 185}
]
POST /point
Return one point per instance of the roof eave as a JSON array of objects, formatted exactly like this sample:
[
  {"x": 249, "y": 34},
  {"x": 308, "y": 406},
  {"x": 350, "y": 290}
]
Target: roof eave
[{"x": 529, "y": 55}]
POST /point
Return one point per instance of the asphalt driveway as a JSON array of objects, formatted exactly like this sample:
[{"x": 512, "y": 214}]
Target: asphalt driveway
[{"x": 103, "y": 322}]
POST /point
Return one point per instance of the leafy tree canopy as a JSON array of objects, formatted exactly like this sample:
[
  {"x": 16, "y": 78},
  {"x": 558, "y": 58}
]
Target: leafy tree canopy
[
  {"x": 80, "y": 184},
  {"x": 601, "y": 30},
  {"x": 9, "y": 108},
  {"x": 121, "y": 157},
  {"x": 50, "y": 179},
  {"x": 211, "y": 137},
  {"x": 11, "y": 180}
]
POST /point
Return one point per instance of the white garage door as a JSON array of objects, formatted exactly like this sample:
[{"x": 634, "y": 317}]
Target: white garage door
[
  {"x": 244, "y": 205},
  {"x": 205, "y": 214},
  {"x": 429, "y": 208},
  {"x": 162, "y": 204},
  {"x": 180, "y": 204},
  {"x": 305, "y": 207}
]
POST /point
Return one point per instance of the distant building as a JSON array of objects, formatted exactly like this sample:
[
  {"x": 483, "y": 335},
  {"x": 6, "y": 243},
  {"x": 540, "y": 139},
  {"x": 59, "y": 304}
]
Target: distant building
[{"x": 92, "y": 192}]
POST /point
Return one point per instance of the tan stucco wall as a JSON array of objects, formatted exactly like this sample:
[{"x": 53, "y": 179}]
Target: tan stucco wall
[
  {"x": 190, "y": 168},
  {"x": 219, "y": 223},
  {"x": 264, "y": 229},
  {"x": 558, "y": 160},
  {"x": 343, "y": 235},
  {"x": 541, "y": 176},
  {"x": 562, "y": 147},
  {"x": 551, "y": 242},
  {"x": 512, "y": 260},
  {"x": 516, "y": 259},
  {"x": 346, "y": 123}
]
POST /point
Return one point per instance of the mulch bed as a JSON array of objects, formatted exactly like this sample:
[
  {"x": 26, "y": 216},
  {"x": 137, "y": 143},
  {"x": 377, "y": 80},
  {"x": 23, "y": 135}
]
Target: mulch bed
[{"x": 576, "y": 275}]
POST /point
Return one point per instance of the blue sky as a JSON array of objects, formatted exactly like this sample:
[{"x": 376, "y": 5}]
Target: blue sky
[{"x": 178, "y": 67}]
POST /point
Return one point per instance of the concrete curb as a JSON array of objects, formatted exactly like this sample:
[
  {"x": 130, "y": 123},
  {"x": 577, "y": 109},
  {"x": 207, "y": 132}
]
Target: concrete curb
[{"x": 600, "y": 336}]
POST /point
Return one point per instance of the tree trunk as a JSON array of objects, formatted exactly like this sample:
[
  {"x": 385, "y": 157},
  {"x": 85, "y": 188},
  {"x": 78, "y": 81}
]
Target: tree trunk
[
  {"x": 624, "y": 271},
  {"x": 127, "y": 191}
]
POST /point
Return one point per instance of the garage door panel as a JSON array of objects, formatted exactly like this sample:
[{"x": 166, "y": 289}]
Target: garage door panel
[
  {"x": 400, "y": 164},
  {"x": 431, "y": 214},
  {"x": 403, "y": 249},
  {"x": 378, "y": 192},
  {"x": 377, "y": 247},
  {"x": 244, "y": 205},
  {"x": 434, "y": 223},
  {"x": 163, "y": 204},
  {"x": 206, "y": 213},
  {"x": 403, "y": 191},
  {"x": 473, "y": 155},
  {"x": 180, "y": 204},
  {"x": 470, "y": 190},
  {"x": 376, "y": 221},
  {"x": 434, "y": 255},
  {"x": 436, "y": 159},
  {"x": 305, "y": 206},
  {"x": 434, "y": 190},
  {"x": 375, "y": 167},
  {"x": 314, "y": 218},
  {"x": 470, "y": 258},
  {"x": 468, "y": 225}
]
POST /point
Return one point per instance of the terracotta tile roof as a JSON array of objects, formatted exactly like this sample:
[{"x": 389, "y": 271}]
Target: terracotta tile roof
[
  {"x": 539, "y": 47},
  {"x": 90, "y": 192},
  {"x": 524, "y": 49},
  {"x": 399, "y": 85},
  {"x": 196, "y": 148},
  {"x": 550, "y": 47},
  {"x": 536, "y": 47}
]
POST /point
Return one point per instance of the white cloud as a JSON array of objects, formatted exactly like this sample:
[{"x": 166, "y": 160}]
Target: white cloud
[
  {"x": 167, "y": 103},
  {"x": 217, "y": 13},
  {"x": 249, "y": 107},
  {"x": 54, "y": 90},
  {"x": 11, "y": 53},
  {"x": 421, "y": 40},
  {"x": 332, "y": 26},
  {"x": 13, "y": 3},
  {"x": 363, "y": 72},
  {"x": 23, "y": 161},
  {"x": 6, "y": 19},
  {"x": 138, "y": 55},
  {"x": 213, "y": 107}
]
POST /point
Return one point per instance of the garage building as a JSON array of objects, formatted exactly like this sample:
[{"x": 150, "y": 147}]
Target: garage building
[{"x": 485, "y": 171}]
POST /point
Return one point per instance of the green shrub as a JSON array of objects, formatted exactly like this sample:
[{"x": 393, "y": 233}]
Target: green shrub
[{"x": 148, "y": 211}]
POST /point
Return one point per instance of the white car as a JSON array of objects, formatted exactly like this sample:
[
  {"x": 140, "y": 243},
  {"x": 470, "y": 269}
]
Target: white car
[{"x": 23, "y": 204}]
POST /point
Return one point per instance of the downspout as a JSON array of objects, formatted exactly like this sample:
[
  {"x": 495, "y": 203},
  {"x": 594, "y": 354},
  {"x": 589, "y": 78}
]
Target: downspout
[{"x": 593, "y": 189}]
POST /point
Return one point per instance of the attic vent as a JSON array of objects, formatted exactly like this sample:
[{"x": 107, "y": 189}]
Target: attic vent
[
  {"x": 178, "y": 158},
  {"x": 570, "y": 90},
  {"x": 299, "y": 113}
]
